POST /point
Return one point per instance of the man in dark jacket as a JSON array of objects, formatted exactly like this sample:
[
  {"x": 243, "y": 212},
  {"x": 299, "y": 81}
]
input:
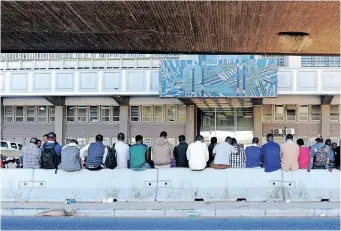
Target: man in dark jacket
[
  {"x": 180, "y": 153},
  {"x": 214, "y": 142}
]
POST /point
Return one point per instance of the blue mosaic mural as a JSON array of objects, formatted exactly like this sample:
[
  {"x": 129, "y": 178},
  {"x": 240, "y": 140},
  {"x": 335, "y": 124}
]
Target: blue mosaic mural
[{"x": 219, "y": 76}]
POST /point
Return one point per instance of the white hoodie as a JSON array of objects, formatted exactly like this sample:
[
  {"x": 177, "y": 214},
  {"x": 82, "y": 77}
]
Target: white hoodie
[{"x": 197, "y": 155}]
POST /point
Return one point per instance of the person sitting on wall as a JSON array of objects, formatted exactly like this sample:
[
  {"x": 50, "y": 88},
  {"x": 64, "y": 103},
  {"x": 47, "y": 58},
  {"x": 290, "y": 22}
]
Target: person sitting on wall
[
  {"x": 197, "y": 154},
  {"x": 222, "y": 154},
  {"x": 180, "y": 153},
  {"x": 289, "y": 154},
  {"x": 304, "y": 155},
  {"x": 122, "y": 152},
  {"x": 95, "y": 154},
  {"x": 31, "y": 154},
  {"x": 162, "y": 151},
  {"x": 71, "y": 160},
  {"x": 319, "y": 155},
  {"x": 139, "y": 155},
  {"x": 331, "y": 153},
  {"x": 237, "y": 160},
  {"x": 213, "y": 143},
  {"x": 253, "y": 155},
  {"x": 271, "y": 155}
]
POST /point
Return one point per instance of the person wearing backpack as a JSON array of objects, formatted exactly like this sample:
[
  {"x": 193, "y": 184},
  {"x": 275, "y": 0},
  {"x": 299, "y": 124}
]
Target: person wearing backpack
[
  {"x": 95, "y": 154},
  {"x": 70, "y": 158},
  {"x": 319, "y": 155},
  {"x": 50, "y": 153}
]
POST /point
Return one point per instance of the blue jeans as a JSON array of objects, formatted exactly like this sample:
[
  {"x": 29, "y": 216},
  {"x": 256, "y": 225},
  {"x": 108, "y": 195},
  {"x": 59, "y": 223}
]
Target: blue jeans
[{"x": 142, "y": 167}]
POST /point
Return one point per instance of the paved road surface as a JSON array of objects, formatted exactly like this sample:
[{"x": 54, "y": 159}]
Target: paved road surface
[{"x": 74, "y": 223}]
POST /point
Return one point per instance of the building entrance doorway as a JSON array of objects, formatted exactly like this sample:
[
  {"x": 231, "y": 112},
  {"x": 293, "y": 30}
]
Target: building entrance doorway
[{"x": 233, "y": 122}]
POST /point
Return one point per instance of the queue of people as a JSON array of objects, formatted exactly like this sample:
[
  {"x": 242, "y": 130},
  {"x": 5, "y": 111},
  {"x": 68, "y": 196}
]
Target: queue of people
[{"x": 197, "y": 156}]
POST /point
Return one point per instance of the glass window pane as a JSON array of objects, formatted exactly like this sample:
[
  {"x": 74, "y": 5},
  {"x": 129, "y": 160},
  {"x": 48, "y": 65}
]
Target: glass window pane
[
  {"x": 315, "y": 112},
  {"x": 135, "y": 113},
  {"x": 8, "y": 113},
  {"x": 105, "y": 113},
  {"x": 42, "y": 113},
  {"x": 81, "y": 113},
  {"x": 93, "y": 114},
  {"x": 70, "y": 113},
  {"x": 267, "y": 112},
  {"x": 116, "y": 113},
  {"x": 158, "y": 113},
  {"x": 334, "y": 113},
  {"x": 181, "y": 113},
  {"x": 19, "y": 114},
  {"x": 279, "y": 112},
  {"x": 146, "y": 113},
  {"x": 170, "y": 113},
  {"x": 52, "y": 113}
]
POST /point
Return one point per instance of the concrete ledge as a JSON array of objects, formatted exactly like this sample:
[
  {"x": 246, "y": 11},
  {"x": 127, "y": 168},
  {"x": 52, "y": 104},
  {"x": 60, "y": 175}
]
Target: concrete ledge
[
  {"x": 190, "y": 213},
  {"x": 240, "y": 213},
  {"x": 327, "y": 212},
  {"x": 290, "y": 212},
  {"x": 184, "y": 212},
  {"x": 95, "y": 213},
  {"x": 140, "y": 213}
]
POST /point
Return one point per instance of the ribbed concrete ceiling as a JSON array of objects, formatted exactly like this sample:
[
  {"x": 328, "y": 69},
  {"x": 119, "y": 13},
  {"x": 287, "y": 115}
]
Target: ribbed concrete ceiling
[{"x": 170, "y": 26}]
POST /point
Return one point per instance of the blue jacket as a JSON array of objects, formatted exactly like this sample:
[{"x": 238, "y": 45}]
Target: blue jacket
[
  {"x": 271, "y": 153},
  {"x": 95, "y": 154},
  {"x": 253, "y": 156}
]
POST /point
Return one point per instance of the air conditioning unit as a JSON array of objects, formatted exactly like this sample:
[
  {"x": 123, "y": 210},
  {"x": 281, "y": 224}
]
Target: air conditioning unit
[
  {"x": 290, "y": 131},
  {"x": 277, "y": 131}
]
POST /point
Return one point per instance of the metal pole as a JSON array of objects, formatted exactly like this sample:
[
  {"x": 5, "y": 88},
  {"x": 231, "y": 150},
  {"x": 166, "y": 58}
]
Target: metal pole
[{"x": 215, "y": 122}]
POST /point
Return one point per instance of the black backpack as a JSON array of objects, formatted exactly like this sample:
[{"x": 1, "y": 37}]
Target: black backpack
[
  {"x": 49, "y": 158},
  {"x": 111, "y": 159}
]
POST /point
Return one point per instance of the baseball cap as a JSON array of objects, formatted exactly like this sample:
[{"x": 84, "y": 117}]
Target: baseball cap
[{"x": 319, "y": 137}]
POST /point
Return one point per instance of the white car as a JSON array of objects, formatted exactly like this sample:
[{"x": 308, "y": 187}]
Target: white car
[{"x": 7, "y": 145}]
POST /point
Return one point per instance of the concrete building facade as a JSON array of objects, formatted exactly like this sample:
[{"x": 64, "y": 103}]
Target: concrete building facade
[{"x": 82, "y": 95}]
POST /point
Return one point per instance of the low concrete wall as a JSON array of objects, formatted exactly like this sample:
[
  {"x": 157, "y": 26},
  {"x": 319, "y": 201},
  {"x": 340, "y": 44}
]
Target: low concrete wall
[
  {"x": 173, "y": 184},
  {"x": 219, "y": 185},
  {"x": 84, "y": 186},
  {"x": 317, "y": 185}
]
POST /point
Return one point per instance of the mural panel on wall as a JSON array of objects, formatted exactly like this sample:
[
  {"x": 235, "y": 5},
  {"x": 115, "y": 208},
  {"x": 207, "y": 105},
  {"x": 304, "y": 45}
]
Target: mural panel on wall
[{"x": 219, "y": 76}]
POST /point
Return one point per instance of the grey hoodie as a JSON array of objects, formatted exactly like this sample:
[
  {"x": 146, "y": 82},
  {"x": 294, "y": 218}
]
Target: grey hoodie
[{"x": 162, "y": 151}]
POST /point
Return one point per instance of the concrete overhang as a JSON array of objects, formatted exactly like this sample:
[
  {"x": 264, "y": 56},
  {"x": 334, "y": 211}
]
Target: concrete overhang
[{"x": 240, "y": 27}]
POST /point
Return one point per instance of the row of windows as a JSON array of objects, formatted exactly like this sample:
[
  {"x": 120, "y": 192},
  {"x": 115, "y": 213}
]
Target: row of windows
[
  {"x": 93, "y": 113},
  {"x": 320, "y": 61},
  {"x": 29, "y": 113},
  {"x": 298, "y": 113},
  {"x": 158, "y": 113},
  {"x": 10, "y": 56}
]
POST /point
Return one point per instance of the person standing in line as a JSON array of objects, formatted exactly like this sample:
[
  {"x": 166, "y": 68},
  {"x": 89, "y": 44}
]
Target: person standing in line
[
  {"x": 213, "y": 143},
  {"x": 289, "y": 154},
  {"x": 162, "y": 151},
  {"x": 31, "y": 154},
  {"x": 95, "y": 154},
  {"x": 304, "y": 155},
  {"x": 253, "y": 154},
  {"x": 271, "y": 154},
  {"x": 197, "y": 154},
  {"x": 180, "y": 153},
  {"x": 319, "y": 155},
  {"x": 237, "y": 159},
  {"x": 122, "y": 152},
  {"x": 222, "y": 154},
  {"x": 139, "y": 155},
  {"x": 45, "y": 139}
]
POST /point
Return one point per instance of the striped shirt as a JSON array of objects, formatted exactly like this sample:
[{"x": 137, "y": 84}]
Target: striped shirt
[{"x": 31, "y": 156}]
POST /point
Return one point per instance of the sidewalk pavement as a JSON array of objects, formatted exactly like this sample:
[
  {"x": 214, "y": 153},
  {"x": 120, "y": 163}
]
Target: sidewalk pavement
[{"x": 174, "y": 209}]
